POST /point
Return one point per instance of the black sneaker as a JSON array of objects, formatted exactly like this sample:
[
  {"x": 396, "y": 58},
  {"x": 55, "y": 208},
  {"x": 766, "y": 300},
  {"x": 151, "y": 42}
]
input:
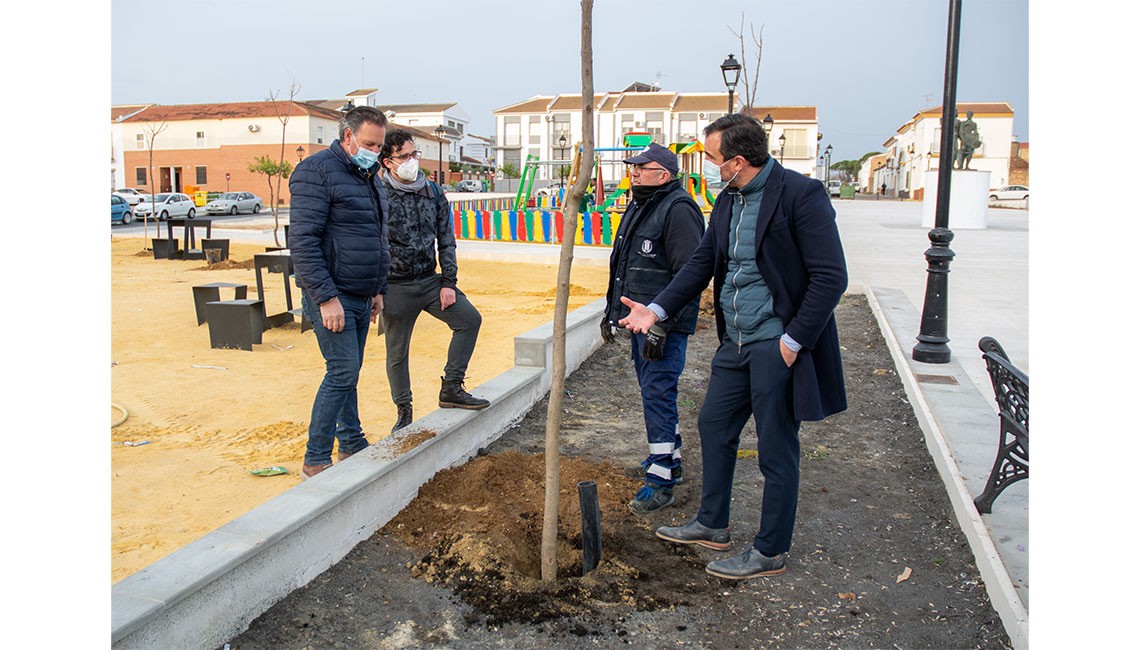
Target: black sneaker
[
  {"x": 452, "y": 395},
  {"x": 403, "y": 416},
  {"x": 651, "y": 498},
  {"x": 718, "y": 539},
  {"x": 749, "y": 564}
]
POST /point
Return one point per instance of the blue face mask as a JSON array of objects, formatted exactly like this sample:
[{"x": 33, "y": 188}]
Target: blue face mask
[{"x": 364, "y": 158}]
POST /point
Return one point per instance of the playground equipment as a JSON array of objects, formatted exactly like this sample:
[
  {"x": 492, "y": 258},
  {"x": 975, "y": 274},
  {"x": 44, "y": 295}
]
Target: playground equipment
[{"x": 538, "y": 219}]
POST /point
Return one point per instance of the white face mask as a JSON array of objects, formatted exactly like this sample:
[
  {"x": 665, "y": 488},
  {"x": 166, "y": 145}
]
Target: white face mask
[
  {"x": 712, "y": 175},
  {"x": 409, "y": 170}
]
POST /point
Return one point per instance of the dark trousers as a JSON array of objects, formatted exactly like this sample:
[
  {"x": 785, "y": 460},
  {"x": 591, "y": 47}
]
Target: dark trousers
[
  {"x": 751, "y": 380},
  {"x": 658, "y": 383},
  {"x": 403, "y": 304}
]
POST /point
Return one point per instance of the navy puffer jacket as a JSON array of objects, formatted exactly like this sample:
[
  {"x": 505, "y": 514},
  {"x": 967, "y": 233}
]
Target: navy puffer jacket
[{"x": 337, "y": 232}]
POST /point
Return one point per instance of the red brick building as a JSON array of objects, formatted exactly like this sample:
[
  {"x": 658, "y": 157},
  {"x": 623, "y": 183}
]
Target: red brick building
[{"x": 210, "y": 146}]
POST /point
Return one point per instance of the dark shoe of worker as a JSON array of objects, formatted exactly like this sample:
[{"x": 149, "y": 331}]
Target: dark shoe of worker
[
  {"x": 650, "y": 498},
  {"x": 749, "y": 564},
  {"x": 638, "y": 472},
  {"x": 453, "y": 396},
  {"x": 403, "y": 416},
  {"x": 694, "y": 532},
  {"x": 309, "y": 471}
]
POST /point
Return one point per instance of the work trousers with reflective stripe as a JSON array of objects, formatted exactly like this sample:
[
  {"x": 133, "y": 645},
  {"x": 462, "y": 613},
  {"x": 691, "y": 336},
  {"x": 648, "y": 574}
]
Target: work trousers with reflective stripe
[{"x": 658, "y": 382}]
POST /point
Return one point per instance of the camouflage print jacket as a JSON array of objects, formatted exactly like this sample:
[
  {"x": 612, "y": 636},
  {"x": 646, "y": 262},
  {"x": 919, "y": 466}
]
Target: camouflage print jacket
[{"x": 418, "y": 223}]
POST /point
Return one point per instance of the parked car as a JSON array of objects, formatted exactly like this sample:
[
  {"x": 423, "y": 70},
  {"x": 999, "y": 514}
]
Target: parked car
[
  {"x": 234, "y": 202},
  {"x": 165, "y": 206},
  {"x": 834, "y": 187},
  {"x": 469, "y": 185},
  {"x": 1014, "y": 192},
  {"x": 131, "y": 196},
  {"x": 120, "y": 210}
]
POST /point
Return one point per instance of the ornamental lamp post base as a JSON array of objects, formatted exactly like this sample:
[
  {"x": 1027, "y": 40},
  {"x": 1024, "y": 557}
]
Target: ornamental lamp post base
[{"x": 932, "y": 340}]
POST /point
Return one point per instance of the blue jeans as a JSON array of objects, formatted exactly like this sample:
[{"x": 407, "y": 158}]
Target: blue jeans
[
  {"x": 335, "y": 413},
  {"x": 658, "y": 382}
]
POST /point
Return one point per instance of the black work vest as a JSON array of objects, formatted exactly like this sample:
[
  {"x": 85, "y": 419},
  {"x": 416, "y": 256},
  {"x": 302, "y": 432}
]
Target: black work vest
[{"x": 639, "y": 264}]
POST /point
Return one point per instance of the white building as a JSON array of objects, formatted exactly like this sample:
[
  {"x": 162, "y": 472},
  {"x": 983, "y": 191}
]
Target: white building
[
  {"x": 535, "y": 127},
  {"x": 916, "y": 148},
  {"x": 118, "y": 169}
]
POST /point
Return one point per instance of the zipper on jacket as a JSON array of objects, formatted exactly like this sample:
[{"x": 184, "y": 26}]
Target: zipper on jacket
[{"x": 740, "y": 267}]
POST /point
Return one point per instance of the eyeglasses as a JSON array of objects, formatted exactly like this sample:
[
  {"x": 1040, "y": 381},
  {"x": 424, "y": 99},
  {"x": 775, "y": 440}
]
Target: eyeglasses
[
  {"x": 415, "y": 154},
  {"x": 639, "y": 168}
]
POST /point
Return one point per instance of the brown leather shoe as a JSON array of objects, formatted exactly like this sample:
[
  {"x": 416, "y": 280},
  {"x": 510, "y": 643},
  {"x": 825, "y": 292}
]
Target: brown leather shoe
[
  {"x": 341, "y": 455},
  {"x": 309, "y": 471}
]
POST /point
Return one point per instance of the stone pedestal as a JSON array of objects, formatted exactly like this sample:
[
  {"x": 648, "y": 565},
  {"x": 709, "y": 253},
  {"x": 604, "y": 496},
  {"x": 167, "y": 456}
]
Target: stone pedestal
[{"x": 969, "y": 199}]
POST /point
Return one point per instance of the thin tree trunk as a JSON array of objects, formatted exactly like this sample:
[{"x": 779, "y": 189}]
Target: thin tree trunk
[{"x": 562, "y": 299}]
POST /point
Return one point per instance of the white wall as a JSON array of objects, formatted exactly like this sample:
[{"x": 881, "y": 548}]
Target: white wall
[{"x": 218, "y": 133}]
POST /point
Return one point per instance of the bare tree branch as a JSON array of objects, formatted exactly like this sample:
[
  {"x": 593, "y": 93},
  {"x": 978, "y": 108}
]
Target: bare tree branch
[
  {"x": 583, "y": 169},
  {"x": 283, "y": 117},
  {"x": 750, "y": 87},
  {"x": 150, "y": 132}
]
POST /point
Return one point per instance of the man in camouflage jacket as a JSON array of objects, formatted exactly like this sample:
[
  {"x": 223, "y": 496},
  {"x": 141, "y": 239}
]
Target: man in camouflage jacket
[{"x": 418, "y": 225}]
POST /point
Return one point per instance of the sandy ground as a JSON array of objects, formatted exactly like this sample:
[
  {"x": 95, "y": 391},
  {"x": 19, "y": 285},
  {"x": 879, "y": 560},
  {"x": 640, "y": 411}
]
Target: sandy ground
[{"x": 207, "y": 428}]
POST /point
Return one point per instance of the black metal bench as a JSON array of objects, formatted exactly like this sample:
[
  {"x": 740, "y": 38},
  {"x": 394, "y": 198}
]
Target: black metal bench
[{"x": 1011, "y": 390}]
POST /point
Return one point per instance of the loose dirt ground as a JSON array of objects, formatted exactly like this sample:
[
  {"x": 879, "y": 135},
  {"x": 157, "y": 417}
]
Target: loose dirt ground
[
  {"x": 877, "y": 558},
  {"x": 209, "y": 417}
]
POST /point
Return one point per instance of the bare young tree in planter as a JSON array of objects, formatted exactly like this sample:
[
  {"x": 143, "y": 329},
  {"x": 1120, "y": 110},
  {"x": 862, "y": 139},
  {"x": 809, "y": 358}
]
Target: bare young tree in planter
[
  {"x": 584, "y": 162},
  {"x": 150, "y": 133},
  {"x": 282, "y": 110}
]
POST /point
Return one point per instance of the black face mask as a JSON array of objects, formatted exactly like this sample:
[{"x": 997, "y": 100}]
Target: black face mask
[{"x": 642, "y": 193}]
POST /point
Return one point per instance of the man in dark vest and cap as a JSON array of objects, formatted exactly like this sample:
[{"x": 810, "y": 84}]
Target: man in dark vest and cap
[{"x": 657, "y": 234}]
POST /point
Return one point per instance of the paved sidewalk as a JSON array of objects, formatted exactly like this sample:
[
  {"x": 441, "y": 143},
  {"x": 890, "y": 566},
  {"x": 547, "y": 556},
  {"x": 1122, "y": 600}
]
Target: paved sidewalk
[{"x": 988, "y": 296}]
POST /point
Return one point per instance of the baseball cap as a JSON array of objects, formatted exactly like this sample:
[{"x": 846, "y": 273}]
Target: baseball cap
[{"x": 658, "y": 154}]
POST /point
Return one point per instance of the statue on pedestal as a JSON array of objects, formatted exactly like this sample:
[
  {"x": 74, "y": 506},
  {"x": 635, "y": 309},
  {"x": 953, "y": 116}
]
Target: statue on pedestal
[{"x": 966, "y": 141}]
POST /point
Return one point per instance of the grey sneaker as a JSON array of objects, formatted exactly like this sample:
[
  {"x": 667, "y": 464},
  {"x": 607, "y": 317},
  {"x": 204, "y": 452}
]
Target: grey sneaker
[
  {"x": 694, "y": 532},
  {"x": 650, "y": 498},
  {"x": 749, "y": 564}
]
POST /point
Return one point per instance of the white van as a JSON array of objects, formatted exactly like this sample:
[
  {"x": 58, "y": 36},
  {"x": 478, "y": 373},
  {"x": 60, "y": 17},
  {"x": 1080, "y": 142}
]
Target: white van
[{"x": 833, "y": 187}]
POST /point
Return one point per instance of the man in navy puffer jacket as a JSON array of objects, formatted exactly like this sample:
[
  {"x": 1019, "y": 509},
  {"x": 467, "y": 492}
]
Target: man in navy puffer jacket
[{"x": 339, "y": 245}]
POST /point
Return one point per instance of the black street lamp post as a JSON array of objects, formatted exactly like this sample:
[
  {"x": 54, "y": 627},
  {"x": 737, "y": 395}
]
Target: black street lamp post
[
  {"x": 439, "y": 133},
  {"x": 932, "y": 339},
  {"x": 562, "y": 156},
  {"x": 300, "y": 153},
  {"x": 782, "y": 141},
  {"x": 827, "y": 168},
  {"x": 730, "y": 70}
]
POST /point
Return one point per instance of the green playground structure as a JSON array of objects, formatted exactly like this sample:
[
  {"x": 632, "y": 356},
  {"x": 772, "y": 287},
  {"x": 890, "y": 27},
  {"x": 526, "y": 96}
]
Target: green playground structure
[{"x": 688, "y": 159}]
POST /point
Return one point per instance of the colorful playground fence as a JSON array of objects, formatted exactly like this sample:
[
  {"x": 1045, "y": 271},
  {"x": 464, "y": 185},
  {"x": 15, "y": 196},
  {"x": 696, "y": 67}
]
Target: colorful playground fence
[{"x": 539, "y": 226}]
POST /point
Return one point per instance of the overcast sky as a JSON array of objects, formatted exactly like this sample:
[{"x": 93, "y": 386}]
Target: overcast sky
[{"x": 868, "y": 66}]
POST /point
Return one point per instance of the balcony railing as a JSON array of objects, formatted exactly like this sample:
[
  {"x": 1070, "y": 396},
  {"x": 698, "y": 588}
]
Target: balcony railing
[{"x": 793, "y": 151}]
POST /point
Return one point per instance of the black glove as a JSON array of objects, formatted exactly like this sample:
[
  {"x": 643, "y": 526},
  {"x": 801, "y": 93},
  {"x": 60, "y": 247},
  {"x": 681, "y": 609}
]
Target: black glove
[
  {"x": 653, "y": 347},
  {"x": 607, "y": 331}
]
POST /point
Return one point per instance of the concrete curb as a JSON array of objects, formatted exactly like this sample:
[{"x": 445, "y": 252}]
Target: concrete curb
[
  {"x": 209, "y": 590},
  {"x": 999, "y": 586}
]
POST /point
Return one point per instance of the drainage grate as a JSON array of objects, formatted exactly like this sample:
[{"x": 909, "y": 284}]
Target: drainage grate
[{"x": 936, "y": 379}]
